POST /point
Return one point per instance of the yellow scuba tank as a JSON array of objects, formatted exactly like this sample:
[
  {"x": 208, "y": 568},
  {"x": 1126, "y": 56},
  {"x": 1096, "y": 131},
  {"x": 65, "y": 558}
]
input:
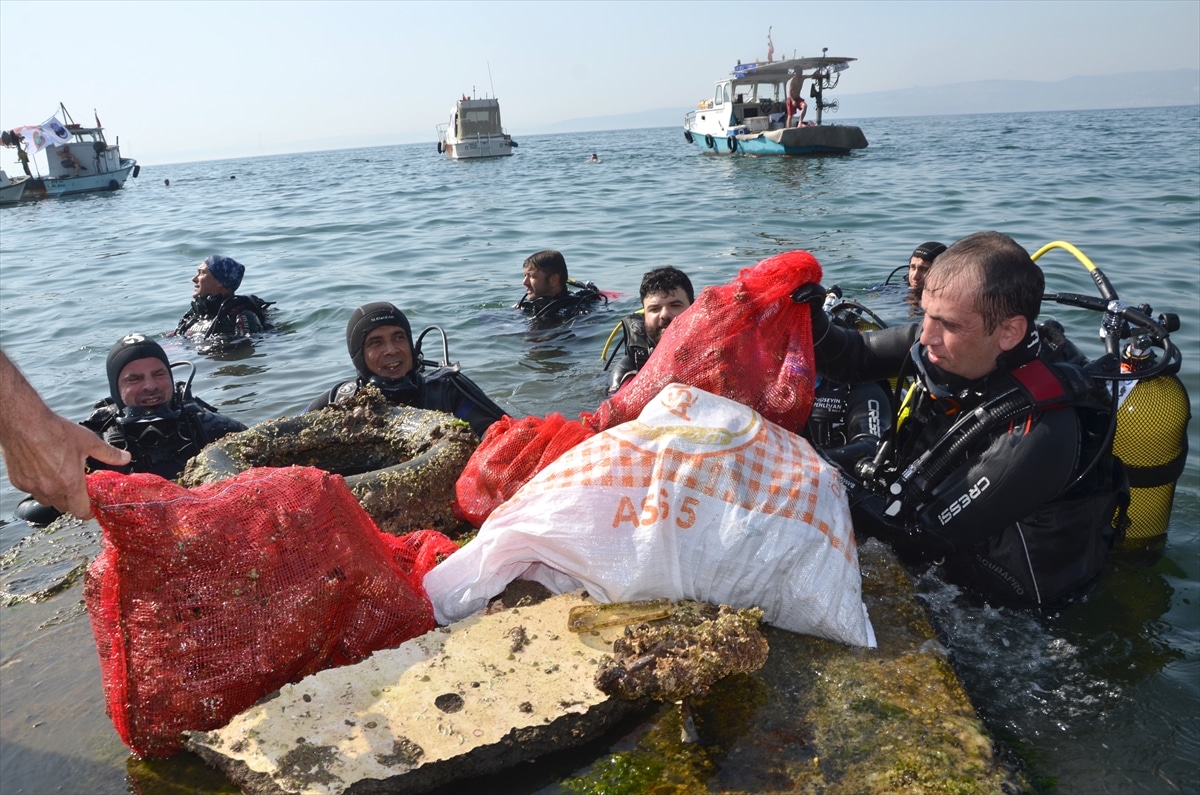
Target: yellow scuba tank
[{"x": 1151, "y": 441}]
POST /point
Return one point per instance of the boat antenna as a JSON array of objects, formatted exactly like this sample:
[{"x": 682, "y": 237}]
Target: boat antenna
[{"x": 490, "y": 83}]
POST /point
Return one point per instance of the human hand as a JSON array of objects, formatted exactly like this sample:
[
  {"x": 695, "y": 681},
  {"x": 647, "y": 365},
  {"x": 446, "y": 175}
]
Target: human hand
[
  {"x": 814, "y": 294},
  {"x": 46, "y": 454},
  {"x": 49, "y": 462}
]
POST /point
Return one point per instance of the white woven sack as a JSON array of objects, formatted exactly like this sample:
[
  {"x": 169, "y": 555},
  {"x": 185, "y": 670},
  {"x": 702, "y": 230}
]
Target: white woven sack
[{"x": 699, "y": 498}]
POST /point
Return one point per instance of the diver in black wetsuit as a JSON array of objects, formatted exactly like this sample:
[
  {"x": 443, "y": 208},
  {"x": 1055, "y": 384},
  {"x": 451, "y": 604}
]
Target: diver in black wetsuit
[
  {"x": 999, "y": 462},
  {"x": 161, "y": 423},
  {"x": 218, "y": 316},
  {"x": 379, "y": 338},
  {"x": 547, "y": 301},
  {"x": 665, "y": 293}
]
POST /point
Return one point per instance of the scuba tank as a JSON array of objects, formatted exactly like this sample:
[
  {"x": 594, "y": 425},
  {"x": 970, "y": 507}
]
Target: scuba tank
[
  {"x": 1151, "y": 405},
  {"x": 1151, "y": 441}
]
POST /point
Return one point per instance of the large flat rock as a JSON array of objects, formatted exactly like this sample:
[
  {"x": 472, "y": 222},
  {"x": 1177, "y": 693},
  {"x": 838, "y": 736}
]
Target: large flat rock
[{"x": 482, "y": 695}]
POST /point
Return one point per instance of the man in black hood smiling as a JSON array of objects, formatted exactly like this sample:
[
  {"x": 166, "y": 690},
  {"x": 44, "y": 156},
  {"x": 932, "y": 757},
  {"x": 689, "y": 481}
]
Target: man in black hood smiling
[{"x": 380, "y": 342}]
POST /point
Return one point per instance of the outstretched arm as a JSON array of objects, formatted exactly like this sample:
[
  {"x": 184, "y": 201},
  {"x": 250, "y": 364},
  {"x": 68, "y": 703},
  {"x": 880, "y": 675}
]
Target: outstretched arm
[{"x": 44, "y": 452}]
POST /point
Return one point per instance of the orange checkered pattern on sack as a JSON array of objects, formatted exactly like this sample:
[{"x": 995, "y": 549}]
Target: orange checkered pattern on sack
[{"x": 773, "y": 472}]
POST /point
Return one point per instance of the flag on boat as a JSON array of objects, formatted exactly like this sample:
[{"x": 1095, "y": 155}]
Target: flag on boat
[
  {"x": 770, "y": 46},
  {"x": 56, "y": 132},
  {"x": 48, "y": 133}
]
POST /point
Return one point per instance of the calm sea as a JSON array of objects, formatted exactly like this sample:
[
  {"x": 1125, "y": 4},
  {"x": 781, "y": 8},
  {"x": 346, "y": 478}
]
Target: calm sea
[{"x": 1102, "y": 698}]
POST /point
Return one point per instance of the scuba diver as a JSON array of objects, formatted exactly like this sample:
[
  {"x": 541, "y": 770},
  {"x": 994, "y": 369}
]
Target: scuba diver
[
  {"x": 382, "y": 349},
  {"x": 160, "y": 422},
  {"x": 219, "y": 318},
  {"x": 665, "y": 292},
  {"x": 547, "y": 301},
  {"x": 1000, "y": 462}
]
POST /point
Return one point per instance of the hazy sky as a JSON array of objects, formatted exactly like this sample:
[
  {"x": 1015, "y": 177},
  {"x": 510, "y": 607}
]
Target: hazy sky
[{"x": 182, "y": 81}]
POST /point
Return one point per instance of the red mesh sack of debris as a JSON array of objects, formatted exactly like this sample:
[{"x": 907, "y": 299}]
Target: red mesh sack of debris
[
  {"x": 511, "y": 453},
  {"x": 203, "y": 601},
  {"x": 745, "y": 340}
]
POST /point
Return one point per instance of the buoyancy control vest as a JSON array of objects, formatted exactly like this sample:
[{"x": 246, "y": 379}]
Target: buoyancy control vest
[
  {"x": 159, "y": 441},
  {"x": 549, "y": 311},
  {"x": 225, "y": 315}
]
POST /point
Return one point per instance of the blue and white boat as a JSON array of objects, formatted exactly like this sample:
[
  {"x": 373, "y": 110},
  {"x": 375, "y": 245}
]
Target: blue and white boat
[
  {"x": 747, "y": 113},
  {"x": 70, "y": 158}
]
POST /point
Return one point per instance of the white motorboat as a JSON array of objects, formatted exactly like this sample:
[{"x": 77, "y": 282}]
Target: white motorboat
[
  {"x": 474, "y": 131},
  {"x": 747, "y": 113},
  {"x": 11, "y": 189},
  {"x": 70, "y": 158}
]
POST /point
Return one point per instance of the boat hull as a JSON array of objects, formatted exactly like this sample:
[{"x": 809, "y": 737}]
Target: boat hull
[
  {"x": 88, "y": 183},
  {"x": 833, "y": 139},
  {"x": 11, "y": 193},
  {"x": 479, "y": 147}
]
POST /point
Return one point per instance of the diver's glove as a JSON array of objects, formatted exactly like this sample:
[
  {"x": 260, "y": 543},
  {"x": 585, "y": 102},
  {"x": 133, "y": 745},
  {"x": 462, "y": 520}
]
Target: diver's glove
[{"x": 814, "y": 294}]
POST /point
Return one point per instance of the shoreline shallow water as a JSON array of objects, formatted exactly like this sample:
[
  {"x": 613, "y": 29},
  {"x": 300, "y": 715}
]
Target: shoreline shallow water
[{"x": 1102, "y": 697}]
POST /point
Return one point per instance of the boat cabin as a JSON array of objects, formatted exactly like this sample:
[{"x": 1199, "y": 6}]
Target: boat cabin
[
  {"x": 87, "y": 148},
  {"x": 476, "y": 117}
]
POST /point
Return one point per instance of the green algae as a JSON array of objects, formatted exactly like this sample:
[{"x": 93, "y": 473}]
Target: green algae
[{"x": 821, "y": 717}]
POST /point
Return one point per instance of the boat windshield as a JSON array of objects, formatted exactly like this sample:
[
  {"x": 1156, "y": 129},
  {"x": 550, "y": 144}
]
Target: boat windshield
[
  {"x": 87, "y": 136},
  {"x": 479, "y": 121}
]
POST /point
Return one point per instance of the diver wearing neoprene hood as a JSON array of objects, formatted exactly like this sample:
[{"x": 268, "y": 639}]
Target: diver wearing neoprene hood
[{"x": 380, "y": 342}]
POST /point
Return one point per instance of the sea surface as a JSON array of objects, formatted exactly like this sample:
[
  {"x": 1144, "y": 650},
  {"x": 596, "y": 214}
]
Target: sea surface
[{"x": 1103, "y": 697}]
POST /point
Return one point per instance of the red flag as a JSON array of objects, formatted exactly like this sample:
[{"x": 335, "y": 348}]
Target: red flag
[{"x": 98, "y": 124}]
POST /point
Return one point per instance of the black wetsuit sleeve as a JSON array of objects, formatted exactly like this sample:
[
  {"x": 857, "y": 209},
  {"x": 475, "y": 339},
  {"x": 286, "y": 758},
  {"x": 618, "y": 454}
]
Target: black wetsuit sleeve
[
  {"x": 854, "y": 357},
  {"x": 626, "y": 368},
  {"x": 319, "y": 402},
  {"x": 456, "y": 394},
  {"x": 1023, "y": 467}
]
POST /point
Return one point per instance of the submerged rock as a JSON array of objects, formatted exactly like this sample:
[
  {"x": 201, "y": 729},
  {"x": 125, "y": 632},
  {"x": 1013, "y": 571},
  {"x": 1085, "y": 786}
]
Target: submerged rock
[
  {"x": 477, "y": 697},
  {"x": 464, "y": 702}
]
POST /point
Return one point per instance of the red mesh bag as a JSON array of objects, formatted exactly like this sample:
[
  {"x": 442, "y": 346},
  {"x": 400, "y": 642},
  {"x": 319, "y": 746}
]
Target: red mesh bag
[
  {"x": 511, "y": 453},
  {"x": 203, "y": 601},
  {"x": 745, "y": 340}
]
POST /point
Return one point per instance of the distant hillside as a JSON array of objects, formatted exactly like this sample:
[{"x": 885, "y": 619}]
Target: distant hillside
[{"x": 1129, "y": 90}]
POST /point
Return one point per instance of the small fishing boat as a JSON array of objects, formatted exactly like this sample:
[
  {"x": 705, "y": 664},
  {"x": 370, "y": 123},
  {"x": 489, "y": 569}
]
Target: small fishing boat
[
  {"x": 77, "y": 159},
  {"x": 747, "y": 113},
  {"x": 474, "y": 131},
  {"x": 11, "y": 189}
]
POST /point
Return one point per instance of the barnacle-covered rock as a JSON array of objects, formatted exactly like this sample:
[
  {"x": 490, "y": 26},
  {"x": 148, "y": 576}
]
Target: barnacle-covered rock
[{"x": 400, "y": 462}]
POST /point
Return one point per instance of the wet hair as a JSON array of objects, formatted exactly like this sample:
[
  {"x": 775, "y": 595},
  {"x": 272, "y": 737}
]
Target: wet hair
[
  {"x": 928, "y": 251},
  {"x": 1004, "y": 279},
  {"x": 366, "y": 319},
  {"x": 128, "y": 349},
  {"x": 550, "y": 262},
  {"x": 665, "y": 279}
]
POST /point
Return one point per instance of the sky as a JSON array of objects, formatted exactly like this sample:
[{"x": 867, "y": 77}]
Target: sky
[{"x": 187, "y": 81}]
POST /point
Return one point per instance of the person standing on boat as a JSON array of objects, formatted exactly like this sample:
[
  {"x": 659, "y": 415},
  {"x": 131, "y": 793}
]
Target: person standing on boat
[
  {"x": 665, "y": 292},
  {"x": 795, "y": 102},
  {"x": 218, "y": 315},
  {"x": 547, "y": 300},
  {"x": 379, "y": 339},
  {"x": 1014, "y": 494},
  {"x": 159, "y": 422}
]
